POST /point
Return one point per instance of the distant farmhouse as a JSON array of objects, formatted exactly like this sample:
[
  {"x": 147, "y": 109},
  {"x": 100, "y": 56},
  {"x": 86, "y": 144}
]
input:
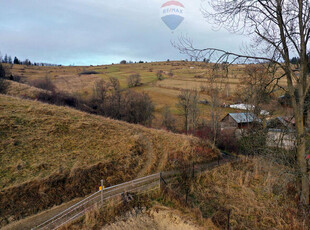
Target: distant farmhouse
[
  {"x": 281, "y": 133},
  {"x": 239, "y": 121},
  {"x": 280, "y": 130},
  {"x": 248, "y": 107}
]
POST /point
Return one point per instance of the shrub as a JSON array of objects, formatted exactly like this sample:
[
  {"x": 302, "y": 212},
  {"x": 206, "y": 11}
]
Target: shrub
[
  {"x": 45, "y": 83},
  {"x": 16, "y": 78},
  {"x": 134, "y": 80},
  {"x": 159, "y": 75},
  {"x": 2, "y": 71},
  {"x": 3, "y": 85},
  {"x": 168, "y": 119},
  {"x": 58, "y": 98},
  {"x": 89, "y": 72},
  {"x": 170, "y": 73},
  {"x": 137, "y": 108}
]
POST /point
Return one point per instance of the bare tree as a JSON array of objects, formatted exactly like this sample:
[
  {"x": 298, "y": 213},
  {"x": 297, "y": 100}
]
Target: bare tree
[
  {"x": 168, "y": 120},
  {"x": 214, "y": 88},
  {"x": 160, "y": 75},
  {"x": 255, "y": 90},
  {"x": 115, "y": 98},
  {"x": 194, "y": 110},
  {"x": 188, "y": 105},
  {"x": 134, "y": 80},
  {"x": 184, "y": 105},
  {"x": 44, "y": 83},
  {"x": 280, "y": 29},
  {"x": 100, "y": 90}
]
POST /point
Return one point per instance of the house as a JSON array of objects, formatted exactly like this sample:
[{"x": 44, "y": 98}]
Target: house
[
  {"x": 248, "y": 107},
  {"x": 281, "y": 133},
  {"x": 239, "y": 121},
  {"x": 282, "y": 123}
]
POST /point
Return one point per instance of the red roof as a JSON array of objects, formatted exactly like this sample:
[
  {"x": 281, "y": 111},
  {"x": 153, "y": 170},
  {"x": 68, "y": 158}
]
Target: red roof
[{"x": 173, "y": 3}]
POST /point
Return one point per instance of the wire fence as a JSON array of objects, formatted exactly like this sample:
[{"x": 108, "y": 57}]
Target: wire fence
[{"x": 98, "y": 198}]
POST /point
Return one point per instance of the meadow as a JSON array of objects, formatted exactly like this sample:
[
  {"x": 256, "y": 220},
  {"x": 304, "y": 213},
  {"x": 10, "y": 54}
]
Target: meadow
[{"x": 178, "y": 75}]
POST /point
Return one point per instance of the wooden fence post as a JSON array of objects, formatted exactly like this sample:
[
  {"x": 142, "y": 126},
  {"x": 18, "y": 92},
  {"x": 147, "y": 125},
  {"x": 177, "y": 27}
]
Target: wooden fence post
[
  {"x": 228, "y": 219},
  {"x": 193, "y": 174},
  {"x": 102, "y": 191},
  {"x": 161, "y": 182},
  {"x": 186, "y": 196}
]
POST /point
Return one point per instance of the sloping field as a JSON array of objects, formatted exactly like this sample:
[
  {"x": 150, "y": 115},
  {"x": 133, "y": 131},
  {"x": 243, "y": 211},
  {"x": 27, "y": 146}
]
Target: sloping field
[
  {"x": 51, "y": 154},
  {"x": 18, "y": 89},
  {"x": 259, "y": 193}
]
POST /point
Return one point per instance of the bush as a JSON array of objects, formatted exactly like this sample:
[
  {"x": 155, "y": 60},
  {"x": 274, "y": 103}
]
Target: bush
[
  {"x": 58, "y": 98},
  {"x": 159, "y": 75},
  {"x": 3, "y": 85},
  {"x": 15, "y": 78},
  {"x": 134, "y": 80},
  {"x": 89, "y": 72},
  {"x": 170, "y": 73},
  {"x": 168, "y": 120},
  {"x": 137, "y": 108},
  {"x": 45, "y": 83},
  {"x": 2, "y": 71}
]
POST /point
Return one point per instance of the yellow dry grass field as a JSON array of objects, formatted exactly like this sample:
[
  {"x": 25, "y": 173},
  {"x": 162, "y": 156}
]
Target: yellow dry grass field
[
  {"x": 52, "y": 154},
  {"x": 22, "y": 90},
  {"x": 259, "y": 193},
  {"x": 38, "y": 139},
  {"x": 186, "y": 75}
]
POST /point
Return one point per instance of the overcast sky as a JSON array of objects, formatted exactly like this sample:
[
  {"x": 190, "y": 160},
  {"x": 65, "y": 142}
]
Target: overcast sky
[{"x": 84, "y": 32}]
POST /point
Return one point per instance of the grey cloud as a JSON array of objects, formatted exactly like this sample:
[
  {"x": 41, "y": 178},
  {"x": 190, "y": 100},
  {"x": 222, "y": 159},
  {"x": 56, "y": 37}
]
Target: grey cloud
[{"x": 99, "y": 31}]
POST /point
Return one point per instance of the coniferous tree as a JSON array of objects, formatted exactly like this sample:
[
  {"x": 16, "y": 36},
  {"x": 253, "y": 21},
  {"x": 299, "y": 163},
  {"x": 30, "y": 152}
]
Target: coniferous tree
[{"x": 16, "y": 61}]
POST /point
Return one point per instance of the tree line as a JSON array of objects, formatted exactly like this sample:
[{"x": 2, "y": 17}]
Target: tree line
[{"x": 16, "y": 61}]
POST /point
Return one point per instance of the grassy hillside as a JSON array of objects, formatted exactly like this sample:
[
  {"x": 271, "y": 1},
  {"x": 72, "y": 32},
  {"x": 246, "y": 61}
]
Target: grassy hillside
[
  {"x": 23, "y": 90},
  {"x": 259, "y": 193},
  {"x": 38, "y": 139},
  {"x": 185, "y": 75},
  {"x": 47, "y": 152}
]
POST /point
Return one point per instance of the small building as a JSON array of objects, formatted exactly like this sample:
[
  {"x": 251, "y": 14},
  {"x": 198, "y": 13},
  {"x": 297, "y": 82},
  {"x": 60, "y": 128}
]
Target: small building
[
  {"x": 249, "y": 107},
  {"x": 239, "y": 121},
  {"x": 281, "y": 133},
  {"x": 283, "y": 123}
]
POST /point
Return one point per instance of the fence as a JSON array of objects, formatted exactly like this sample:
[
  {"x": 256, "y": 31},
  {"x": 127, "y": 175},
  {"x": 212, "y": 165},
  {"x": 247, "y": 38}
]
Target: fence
[
  {"x": 98, "y": 198},
  {"x": 142, "y": 184}
]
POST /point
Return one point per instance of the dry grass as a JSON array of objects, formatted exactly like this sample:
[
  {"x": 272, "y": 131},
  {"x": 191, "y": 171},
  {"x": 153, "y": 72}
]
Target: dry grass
[
  {"x": 260, "y": 194},
  {"x": 69, "y": 79},
  {"x": 47, "y": 151},
  {"x": 158, "y": 218},
  {"x": 23, "y": 90}
]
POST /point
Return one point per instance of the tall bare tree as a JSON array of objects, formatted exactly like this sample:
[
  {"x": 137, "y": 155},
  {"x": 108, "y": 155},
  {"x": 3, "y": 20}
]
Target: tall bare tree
[
  {"x": 280, "y": 30},
  {"x": 188, "y": 105}
]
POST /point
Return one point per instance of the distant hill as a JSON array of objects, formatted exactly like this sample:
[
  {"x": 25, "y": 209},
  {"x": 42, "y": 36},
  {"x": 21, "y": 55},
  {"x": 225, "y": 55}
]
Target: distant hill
[{"x": 51, "y": 154}]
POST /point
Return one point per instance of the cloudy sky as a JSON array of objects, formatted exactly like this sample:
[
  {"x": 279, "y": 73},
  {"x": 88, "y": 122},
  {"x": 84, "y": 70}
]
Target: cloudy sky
[{"x": 84, "y": 32}]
